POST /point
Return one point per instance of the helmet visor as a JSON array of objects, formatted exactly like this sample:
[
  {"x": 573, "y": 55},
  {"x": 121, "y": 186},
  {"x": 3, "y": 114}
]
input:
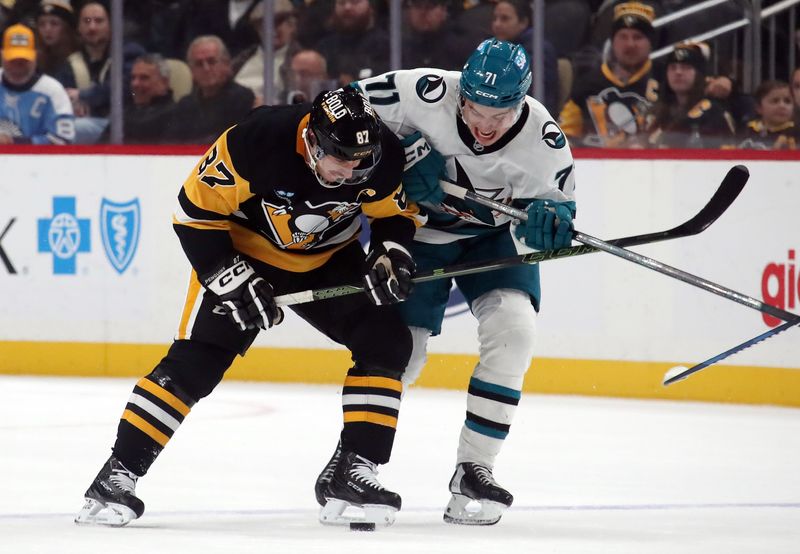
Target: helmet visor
[{"x": 337, "y": 172}]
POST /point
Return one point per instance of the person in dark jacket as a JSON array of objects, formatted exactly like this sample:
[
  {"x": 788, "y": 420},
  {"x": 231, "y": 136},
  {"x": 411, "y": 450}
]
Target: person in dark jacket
[
  {"x": 216, "y": 102},
  {"x": 356, "y": 48},
  {"x": 87, "y": 75},
  {"x": 684, "y": 115},
  {"x": 145, "y": 119},
  {"x": 433, "y": 39}
]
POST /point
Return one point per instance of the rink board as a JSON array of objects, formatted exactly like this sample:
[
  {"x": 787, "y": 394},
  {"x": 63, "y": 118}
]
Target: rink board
[{"x": 94, "y": 280}]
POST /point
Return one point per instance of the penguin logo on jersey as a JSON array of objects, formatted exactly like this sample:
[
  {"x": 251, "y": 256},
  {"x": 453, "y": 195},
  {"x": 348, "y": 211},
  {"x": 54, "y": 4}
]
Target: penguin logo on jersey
[
  {"x": 431, "y": 88},
  {"x": 553, "y": 136}
]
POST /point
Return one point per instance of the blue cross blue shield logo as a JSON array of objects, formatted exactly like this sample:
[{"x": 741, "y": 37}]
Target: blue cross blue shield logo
[
  {"x": 64, "y": 235},
  {"x": 119, "y": 227}
]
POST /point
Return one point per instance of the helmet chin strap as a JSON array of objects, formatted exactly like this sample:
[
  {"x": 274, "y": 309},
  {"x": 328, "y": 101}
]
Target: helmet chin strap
[{"x": 314, "y": 155}]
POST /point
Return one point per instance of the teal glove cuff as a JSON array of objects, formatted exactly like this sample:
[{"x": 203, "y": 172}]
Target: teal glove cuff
[{"x": 424, "y": 167}]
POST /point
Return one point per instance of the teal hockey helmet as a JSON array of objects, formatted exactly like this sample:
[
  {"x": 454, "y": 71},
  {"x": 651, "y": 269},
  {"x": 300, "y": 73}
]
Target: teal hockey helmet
[{"x": 497, "y": 74}]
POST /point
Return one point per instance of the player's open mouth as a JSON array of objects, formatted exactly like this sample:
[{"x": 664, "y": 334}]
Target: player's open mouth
[{"x": 482, "y": 136}]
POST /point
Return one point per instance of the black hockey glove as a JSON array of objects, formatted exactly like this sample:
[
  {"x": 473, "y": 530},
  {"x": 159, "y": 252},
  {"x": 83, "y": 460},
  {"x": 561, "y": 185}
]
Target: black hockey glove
[
  {"x": 389, "y": 274},
  {"x": 246, "y": 298}
]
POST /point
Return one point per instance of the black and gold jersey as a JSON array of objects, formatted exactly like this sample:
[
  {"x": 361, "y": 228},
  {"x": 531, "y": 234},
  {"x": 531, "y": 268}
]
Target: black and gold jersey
[
  {"x": 759, "y": 136},
  {"x": 605, "y": 111},
  {"x": 706, "y": 125},
  {"x": 253, "y": 192}
]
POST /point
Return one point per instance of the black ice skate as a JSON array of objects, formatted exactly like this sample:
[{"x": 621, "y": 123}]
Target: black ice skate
[
  {"x": 327, "y": 474},
  {"x": 474, "y": 482},
  {"x": 111, "y": 498},
  {"x": 354, "y": 485}
]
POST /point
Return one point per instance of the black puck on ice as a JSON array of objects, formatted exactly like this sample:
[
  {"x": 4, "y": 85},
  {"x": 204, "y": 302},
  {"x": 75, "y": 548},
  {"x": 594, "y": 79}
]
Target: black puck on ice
[{"x": 362, "y": 526}]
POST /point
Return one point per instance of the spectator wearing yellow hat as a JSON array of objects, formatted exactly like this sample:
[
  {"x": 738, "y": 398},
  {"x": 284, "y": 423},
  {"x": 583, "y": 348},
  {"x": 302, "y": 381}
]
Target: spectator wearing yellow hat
[{"x": 34, "y": 108}]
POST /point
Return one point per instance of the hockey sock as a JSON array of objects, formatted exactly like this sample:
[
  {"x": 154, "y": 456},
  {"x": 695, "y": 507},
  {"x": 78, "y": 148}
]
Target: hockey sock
[
  {"x": 490, "y": 410},
  {"x": 154, "y": 411},
  {"x": 371, "y": 405}
]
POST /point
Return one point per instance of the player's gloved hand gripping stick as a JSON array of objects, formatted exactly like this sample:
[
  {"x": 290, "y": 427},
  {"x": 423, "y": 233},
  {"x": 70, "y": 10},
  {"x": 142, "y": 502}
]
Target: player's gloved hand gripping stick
[
  {"x": 388, "y": 279},
  {"x": 634, "y": 257},
  {"x": 726, "y": 193},
  {"x": 548, "y": 225},
  {"x": 247, "y": 299},
  {"x": 679, "y": 372}
]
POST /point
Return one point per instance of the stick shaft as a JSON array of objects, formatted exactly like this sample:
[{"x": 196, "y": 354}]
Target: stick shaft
[
  {"x": 723, "y": 197},
  {"x": 731, "y": 351},
  {"x": 630, "y": 256}
]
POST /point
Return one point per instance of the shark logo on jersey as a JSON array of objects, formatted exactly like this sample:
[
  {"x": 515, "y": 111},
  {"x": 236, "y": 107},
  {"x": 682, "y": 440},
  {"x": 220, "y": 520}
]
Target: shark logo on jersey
[
  {"x": 431, "y": 88},
  {"x": 553, "y": 136},
  {"x": 119, "y": 228}
]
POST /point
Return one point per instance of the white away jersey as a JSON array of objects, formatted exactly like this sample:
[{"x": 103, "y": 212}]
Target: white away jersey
[
  {"x": 39, "y": 114},
  {"x": 532, "y": 160}
]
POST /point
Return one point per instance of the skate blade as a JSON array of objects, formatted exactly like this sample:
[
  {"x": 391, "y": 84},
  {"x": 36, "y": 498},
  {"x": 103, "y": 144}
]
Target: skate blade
[
  {"x": 95, "y": 512},
  {"x": 462, "y": 510},
  {"x": 340, "y": 512}
]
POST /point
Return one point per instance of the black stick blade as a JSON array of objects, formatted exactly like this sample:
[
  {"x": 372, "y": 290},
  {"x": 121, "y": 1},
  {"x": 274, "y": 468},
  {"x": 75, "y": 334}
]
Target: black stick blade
[{"x": 728, "y": 191}]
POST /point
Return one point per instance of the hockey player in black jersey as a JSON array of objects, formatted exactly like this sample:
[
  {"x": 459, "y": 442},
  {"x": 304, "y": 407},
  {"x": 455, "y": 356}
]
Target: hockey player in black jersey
[{"x": 273, "y": 207}]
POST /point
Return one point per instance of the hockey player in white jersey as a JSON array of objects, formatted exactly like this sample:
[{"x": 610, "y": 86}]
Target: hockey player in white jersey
[{"x": 478, "y": 128}]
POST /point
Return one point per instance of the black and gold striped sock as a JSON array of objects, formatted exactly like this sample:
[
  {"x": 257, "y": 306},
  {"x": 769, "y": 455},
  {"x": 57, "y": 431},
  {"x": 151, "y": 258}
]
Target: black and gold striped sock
[
  {"x": 371, "y": 405},
  {"x": 155, "y": 410}
]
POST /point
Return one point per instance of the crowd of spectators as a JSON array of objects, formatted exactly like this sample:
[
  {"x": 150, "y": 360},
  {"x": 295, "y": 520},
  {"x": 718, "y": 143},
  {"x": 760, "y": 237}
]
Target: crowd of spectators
[{"x": 191, "y": 68}]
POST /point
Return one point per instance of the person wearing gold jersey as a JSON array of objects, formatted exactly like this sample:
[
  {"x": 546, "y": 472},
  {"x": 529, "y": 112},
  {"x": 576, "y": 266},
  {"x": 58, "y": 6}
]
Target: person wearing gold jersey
[
  {"x": 274, "y": 207},
  {"x": 608, "y": 107}
]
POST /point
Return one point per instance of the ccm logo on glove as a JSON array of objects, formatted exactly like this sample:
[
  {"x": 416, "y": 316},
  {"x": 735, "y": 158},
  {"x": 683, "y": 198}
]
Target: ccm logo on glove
[{"x": 246, "y": 298}]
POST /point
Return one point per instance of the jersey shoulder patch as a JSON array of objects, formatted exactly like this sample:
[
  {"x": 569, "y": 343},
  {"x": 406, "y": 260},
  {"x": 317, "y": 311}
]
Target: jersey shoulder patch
[
  {"x": 431, "y": 88},
  {"x": 553, "y": 136}
]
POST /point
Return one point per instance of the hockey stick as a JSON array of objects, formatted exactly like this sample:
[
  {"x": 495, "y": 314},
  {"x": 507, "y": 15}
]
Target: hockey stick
[
  {"x": 634, "y": 257},
  {"x": 728, "y": 190},
  {"x": 679, "y": 373}
]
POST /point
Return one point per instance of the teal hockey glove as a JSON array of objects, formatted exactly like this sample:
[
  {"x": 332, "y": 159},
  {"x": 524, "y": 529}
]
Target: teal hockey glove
[
  {"x": 424, "y": 168},
  {"x": 549, "y": 225}
]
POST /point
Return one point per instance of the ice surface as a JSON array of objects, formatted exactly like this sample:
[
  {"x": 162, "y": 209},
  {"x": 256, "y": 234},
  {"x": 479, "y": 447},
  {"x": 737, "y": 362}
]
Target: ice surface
[{"x": 589, "y": 475}]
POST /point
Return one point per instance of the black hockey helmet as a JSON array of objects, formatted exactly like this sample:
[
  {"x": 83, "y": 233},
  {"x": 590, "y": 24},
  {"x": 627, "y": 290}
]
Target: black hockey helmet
[{"x": 344, "y": 125}]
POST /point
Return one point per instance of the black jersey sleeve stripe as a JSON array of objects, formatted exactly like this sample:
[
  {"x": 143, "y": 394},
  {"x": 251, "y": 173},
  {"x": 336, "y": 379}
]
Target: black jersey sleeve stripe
[
  {"x": 398, "y": 228},
  {"x": 204, "y": 248},
  {"x": 194, "y": 212}
]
